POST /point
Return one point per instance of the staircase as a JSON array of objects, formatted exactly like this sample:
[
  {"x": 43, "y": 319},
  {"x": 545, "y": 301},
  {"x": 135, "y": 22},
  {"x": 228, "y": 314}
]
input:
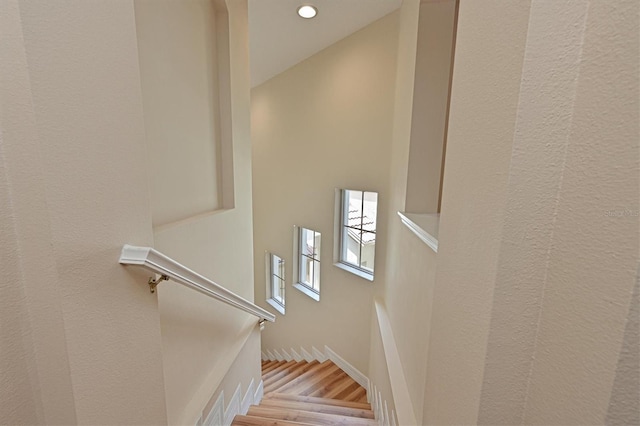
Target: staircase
[{"x": 308, "y": 393}]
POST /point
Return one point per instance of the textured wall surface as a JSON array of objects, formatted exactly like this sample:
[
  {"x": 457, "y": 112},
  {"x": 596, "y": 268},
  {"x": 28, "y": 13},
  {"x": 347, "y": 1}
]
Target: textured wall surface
[{"x": 74, "y": 162}]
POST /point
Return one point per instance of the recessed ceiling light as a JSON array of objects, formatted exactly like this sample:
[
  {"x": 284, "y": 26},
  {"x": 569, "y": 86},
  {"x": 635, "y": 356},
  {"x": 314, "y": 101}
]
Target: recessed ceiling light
[{"x": 307, "y": 11}]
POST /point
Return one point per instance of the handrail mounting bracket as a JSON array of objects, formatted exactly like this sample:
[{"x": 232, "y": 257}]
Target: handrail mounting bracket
[{"x": 153, "y": 282}]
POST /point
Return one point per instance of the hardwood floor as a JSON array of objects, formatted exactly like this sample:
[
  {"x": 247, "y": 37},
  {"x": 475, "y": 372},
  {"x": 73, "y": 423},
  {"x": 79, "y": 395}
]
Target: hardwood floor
[{"x": 308, "y": 393}]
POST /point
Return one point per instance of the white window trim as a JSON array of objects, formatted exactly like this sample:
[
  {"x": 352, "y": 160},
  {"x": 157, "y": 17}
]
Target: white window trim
[
  {"x": 297, "y": 230},
  {"x": 268, "y": 278},
  {"x": 337, "y": 239}
]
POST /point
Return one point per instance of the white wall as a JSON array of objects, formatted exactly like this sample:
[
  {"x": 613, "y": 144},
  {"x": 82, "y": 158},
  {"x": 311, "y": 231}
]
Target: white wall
[
  {"x": 84, "y": 345},
  {"x": 324, "y": 124},
  {"x": 182, "y": 90}
]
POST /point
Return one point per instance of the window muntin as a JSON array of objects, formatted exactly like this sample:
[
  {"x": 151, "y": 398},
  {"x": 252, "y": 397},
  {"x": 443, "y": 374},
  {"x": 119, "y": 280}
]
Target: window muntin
[
  {"x": 277, "y": 281},
  {"x": 309, "y": 259},
  {"x": 358, "y": 229}
]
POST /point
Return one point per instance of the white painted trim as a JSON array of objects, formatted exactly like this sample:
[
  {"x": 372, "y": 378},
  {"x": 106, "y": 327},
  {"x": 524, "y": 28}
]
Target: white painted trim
[
  {"x": 303, "y": 288},
  {"x": 359, "y": 272},
  {"x": 233, "y": 409},
  {"x": 353, "y": 372},
  {"x": 275, "y": 305},
  {"x": 216, "y": 415},
  {"x": 264, "y": 356},
  {"x": 271, "y": 356},
  {"x": 306, "y": 355},
  {"x": 286, "y": 355},
  {"x": 296, "y": 355},
  {"x": 425, "y": 226},
  {"x": 386, "y": 414},
  {"x": 399, "y": 388},
  {"x": 247, "y": 401},
  {"x": 321, "y": 357},
  {"x": 257, "y": 396},
  {"x": 393, "y": 418},
  {"x": 278, "y": 356},
  {"x": 158, "y": 263}
]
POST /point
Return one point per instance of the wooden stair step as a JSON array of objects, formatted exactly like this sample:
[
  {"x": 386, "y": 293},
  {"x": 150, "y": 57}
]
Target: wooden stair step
[
  {"x": 291, "y": 372},
  {"x": 357, "y": 394},
  {"x": 272, "y": 367},
  {"x": 339, "y": 383},
  {"x": 319, "y": 408},
  {"x": 295, "y": 373},
  {"x": 309, "y": 378},
  {"x": 303, "y": 378},
  {"x": 240, "y": 420},
  {"x": 281, "y": 367},
  {"x": 339, "y": 389},
  {"x": 320, "y": 387},
  {"x": 317, "y": 400},
  {"x": 346, "y": 392},
  {"x": 309, "y": 417}
]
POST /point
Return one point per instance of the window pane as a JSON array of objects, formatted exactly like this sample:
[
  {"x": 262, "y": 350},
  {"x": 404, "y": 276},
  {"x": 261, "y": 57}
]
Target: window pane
[
  {"x": 277, "y": 266},
  {"x": 353, "y": 200},
  {"x": 278, "y": 290},
  {"x": 316, "y": 276},
  {"x": 317, "y": 246},
  {"x": 368, "y": 248},
  {"x": 306, "y": 271},
  {"x": 307, "y": 242},
  {"x": 370, "y": 213},
  {"x": 351, "y": 245}
]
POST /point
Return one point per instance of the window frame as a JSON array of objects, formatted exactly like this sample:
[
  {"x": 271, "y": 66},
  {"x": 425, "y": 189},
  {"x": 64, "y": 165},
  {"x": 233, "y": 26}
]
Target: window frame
[
  {"x": 271, "y": 274},
  {"x": 310, "y": 289},
  {"x": 341, "y": 224}
]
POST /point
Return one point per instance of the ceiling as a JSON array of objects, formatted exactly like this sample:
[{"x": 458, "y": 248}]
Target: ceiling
[{"x": 279, "y": 38}]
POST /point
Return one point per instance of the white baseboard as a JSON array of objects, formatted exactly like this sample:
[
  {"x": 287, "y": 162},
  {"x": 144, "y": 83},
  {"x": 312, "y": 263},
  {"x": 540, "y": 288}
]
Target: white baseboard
[
  {"x": 278, "y": 356},
  {"x": 318, "y": 355},
  {"x": 270, "y": 355},
  {"x": 247, "y": 401},
  {"x": 353, "y": 372},
  {"x": 306, "y": 355},
  {"x": 264, "y": 356},
  {"x": 233, "y": 409},
  {"x": 296, "y": 356},
  {"x": 286, "y": 355},
  {"x": 257, "y": 397},
  {"x": 216, "y": 415}
]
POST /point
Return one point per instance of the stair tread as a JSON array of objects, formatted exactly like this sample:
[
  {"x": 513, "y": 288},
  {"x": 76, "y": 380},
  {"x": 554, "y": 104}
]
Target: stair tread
[
  {"x": 319, "y": 408},
  {"x": 310, "y": 417},
  {"x": 279, "y": 368},
  {"x": 272, "y": 367},
  {"x": 319, "y": 381},
  {"x": 295, "y": 370},
  {"x": 241, "y": 420},
  {"x": 319, "y": 400},
  {"x": 286, "y": 383}
]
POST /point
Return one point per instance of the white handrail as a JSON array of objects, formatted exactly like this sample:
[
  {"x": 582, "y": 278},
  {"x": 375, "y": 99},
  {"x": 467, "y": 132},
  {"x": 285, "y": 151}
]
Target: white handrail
[{"x": 168, "y": 268}]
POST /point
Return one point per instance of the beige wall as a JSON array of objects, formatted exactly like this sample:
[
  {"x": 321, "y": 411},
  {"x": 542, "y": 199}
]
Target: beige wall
[
  {"x": 177, "y": 49},
  {"x": 201, "y": 337},
  {"x": 578, "y": 265},
  {"x": 535, "y": 275},
  {"x": 84, "y": 345},
  {"x": 321, "y": 125},
  {"x": 430, "y": 102}
]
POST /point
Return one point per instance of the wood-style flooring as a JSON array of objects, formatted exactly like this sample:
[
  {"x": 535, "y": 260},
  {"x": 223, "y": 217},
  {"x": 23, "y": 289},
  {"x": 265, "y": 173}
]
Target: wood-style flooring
[{"x": 308, "y": 393}]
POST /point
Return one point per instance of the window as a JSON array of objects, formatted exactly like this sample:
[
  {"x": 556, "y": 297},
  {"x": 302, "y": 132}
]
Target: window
[
  {"x": 357, "y": 217},
  {"x": 275, "y": 281},
  {"x": 308, "y": 262}
]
